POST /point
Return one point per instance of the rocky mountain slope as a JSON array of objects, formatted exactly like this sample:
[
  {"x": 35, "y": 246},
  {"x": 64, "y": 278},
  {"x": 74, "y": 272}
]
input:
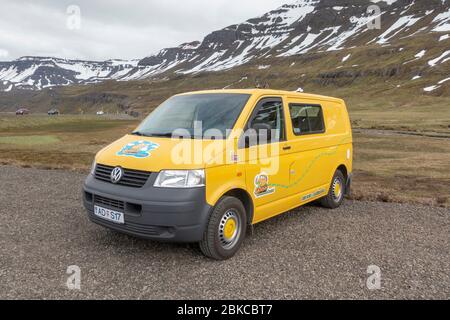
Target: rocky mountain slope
[
  {"x": 301, "y": 28},
  {"x": 40, "y": 72}
]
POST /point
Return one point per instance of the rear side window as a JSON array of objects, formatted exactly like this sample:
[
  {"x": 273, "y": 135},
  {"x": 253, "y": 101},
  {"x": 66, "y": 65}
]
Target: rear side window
[{"x": 306, "y": 118}]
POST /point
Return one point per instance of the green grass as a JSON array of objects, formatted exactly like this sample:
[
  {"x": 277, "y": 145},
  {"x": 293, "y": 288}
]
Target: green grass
[
  {"x": 64, "y": 123},
  {"x": 29, "y": 140},
  {"x": 68, "y": 142}
]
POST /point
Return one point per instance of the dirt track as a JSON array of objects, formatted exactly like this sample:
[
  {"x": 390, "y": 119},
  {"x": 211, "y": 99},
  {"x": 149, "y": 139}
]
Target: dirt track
[{"x": 307, "y": 253}]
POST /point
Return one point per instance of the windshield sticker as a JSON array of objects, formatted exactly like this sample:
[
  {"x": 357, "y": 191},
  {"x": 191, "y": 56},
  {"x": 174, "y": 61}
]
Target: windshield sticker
[
  {"x": 138, "y": 149},
  {"x": 262, "y": 187}
]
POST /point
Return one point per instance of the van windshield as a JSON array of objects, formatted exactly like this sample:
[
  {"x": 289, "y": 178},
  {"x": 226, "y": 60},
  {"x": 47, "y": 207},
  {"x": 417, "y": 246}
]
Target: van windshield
[{"x": 198, "y": 115}]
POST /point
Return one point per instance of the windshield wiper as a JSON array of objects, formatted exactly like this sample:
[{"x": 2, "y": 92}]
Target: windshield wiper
[
  {"x": 168, "y": 135},
  {"x": 138, "y": 133}
]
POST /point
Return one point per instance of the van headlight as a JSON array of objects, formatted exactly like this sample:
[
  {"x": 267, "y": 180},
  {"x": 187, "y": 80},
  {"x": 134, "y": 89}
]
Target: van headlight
[
  {"x": 180, "y": 179},
  {"x": 94, "y": 163}
]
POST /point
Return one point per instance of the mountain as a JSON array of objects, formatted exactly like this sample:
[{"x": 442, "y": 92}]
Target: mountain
[
  {"x": 301, "y": 27},
  {"x": 41, "y": 72},
  {"x": 297, "y": 29}
]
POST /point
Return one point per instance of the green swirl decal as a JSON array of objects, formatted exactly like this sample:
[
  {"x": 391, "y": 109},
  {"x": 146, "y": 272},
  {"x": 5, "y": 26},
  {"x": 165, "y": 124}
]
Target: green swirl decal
[{"x": 310, "y": 165}]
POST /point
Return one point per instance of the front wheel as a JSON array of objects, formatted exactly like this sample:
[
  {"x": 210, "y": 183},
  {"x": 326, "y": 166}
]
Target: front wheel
[
  {"x": 336, "y": 194},
  {"x": 226, "y": 229}
]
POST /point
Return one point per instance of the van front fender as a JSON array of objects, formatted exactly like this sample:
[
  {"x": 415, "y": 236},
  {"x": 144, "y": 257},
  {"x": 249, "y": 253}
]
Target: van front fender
[{"x": 220, "y": 180}]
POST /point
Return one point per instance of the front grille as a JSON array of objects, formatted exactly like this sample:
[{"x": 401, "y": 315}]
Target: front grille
[
  {"x": 133, "y": 228},
  {"x": 109, "y": 203},
  {"x": 131, "y": 178}
]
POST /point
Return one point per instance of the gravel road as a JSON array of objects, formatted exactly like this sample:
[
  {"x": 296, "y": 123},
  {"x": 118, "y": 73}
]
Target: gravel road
[{"x": 307, "y": 253}]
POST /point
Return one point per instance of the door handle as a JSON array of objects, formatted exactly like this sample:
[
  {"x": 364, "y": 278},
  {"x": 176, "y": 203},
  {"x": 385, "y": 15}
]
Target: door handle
[{"x": 285, "y": 148}]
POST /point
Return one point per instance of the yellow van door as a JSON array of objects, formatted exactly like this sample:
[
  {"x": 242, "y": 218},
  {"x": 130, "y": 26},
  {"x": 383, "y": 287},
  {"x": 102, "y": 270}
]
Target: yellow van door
[
  {"x": 267, "y": 164},
  {"x": 310, "y": 158}
]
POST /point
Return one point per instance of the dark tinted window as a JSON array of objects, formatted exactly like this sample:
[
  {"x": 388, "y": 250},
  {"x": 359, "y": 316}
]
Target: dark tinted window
[
  {"x": 270, "y": 112},
  {"x": 306, "y": 118}
]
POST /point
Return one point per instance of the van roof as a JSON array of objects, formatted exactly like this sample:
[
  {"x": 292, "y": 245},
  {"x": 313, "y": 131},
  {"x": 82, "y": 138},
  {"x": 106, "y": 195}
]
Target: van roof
[{"x": 261, "y": 92}]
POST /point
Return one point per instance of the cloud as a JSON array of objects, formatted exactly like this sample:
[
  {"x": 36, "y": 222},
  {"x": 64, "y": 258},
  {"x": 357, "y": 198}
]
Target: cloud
[
  {"x": 115, "y": 29},
  {"x": 4, "y": 53}
]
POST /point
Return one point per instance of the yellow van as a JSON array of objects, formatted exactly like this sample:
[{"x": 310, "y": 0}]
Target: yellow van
[{"x": 206, "y": 166}]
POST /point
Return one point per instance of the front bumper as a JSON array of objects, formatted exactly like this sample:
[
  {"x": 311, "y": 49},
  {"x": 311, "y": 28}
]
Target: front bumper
[{"x": 163, "y": 214}]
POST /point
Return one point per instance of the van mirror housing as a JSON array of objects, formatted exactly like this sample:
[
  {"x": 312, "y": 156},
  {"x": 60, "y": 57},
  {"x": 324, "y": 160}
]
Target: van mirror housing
[
  {"x": 263, "y": 132},
  {"x": 258, "y": 133}
]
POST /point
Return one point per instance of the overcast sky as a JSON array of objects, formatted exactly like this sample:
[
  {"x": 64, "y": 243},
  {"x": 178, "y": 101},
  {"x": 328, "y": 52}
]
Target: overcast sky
[{"x": 112, "y": 28}]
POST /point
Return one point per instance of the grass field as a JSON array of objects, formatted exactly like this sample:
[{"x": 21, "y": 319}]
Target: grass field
[
  {"x": 68, "y": 142},
  {"x": 29, "y": 140},
  {"x": 389, "y": 166},
  {"x": 402, "y": 168}
]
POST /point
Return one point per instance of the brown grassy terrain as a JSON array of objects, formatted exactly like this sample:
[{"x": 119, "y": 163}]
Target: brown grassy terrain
[
  {"x": 402, "y": 168},
  {"x": 68, "y": 142},
  {"x": 389, "y": 167}
]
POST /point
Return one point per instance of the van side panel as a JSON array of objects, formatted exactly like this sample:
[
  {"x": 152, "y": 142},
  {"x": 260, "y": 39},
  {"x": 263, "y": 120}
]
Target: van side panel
[
  {"x": 221, "y": 179},
  {"x": 314, "y": 158},
  {"x": 276, "y": 208},
  {"x": 342, "y": 133}
]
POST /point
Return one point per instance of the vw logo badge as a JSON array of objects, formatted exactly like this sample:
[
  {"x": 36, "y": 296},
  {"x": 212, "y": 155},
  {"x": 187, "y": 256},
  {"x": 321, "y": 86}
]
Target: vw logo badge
[{"x": 116, "y": 174}]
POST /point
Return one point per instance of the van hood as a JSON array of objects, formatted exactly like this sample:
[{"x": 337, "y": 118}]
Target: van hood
[{"x": 156, "y": 154}]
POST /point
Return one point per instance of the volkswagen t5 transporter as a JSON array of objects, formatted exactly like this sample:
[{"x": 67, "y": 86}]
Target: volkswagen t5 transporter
[{"x": 206, "y": 166}]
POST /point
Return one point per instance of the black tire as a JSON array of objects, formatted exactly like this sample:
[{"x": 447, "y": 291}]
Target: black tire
[
  {"x": 214, "y": 243},
  {"x": 332, "y": 200}
]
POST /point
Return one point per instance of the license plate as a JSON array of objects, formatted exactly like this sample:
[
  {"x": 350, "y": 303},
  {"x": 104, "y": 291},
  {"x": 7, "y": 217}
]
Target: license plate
[{"x": 107, "y": 214}]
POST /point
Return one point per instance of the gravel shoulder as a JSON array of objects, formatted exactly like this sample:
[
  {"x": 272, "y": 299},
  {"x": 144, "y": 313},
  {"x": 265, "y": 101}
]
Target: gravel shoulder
[{"x": 306, "y": 253}]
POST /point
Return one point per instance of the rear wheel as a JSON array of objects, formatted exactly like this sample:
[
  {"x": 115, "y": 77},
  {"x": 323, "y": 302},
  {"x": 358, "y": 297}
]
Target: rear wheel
[
  {"x": 225, "y": 230},
  {"x": 336, "y": 194}
]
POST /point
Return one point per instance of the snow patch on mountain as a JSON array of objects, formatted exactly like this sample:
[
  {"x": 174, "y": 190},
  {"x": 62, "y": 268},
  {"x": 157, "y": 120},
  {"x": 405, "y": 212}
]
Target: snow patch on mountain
[
  {"x": 346, "y": 57},
  {"x": 443, "y": 21},
  {"x": 439, "y": 59},
  {"x": 290, "y": 13},
  {"x": 389, "y": 2},
  {"x": 420, "y": 54},
  {"x": 443, "y": 81},
  {"x": 431, "y": 88},
  {"x": 396, "y": 28},
  {"x": 436, "y": 86},
  {"x": 357, "y": 25}
]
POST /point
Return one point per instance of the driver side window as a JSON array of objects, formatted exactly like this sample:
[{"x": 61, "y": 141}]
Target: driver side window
[{"x": 269, "y": 115}]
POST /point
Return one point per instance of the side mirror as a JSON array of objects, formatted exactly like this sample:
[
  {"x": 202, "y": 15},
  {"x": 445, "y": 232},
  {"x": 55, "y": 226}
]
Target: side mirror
[
  {"x": 258, "y": 133},
  {"x": 263, "y": 131}
]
